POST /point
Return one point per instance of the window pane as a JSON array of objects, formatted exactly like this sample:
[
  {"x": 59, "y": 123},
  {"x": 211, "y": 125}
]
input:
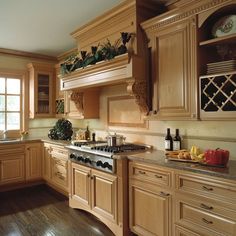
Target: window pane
[
  {"x": 13, "y": 103},
  {"x": 13, "y": 121},
  {"x": 13, "y": 86},
  {"x": 2, "y": 103},
  {"x": 2, "y": 121},
  {"x": 2, "y": 85}
]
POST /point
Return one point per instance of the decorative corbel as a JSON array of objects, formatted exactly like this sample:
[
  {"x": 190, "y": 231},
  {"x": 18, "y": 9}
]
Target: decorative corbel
[
  {"x": 77, "y": 97},
  {"x": 138, "y": 89}
]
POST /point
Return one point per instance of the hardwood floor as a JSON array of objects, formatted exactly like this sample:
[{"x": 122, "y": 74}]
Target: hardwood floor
[{"x": 39, "y": 211}]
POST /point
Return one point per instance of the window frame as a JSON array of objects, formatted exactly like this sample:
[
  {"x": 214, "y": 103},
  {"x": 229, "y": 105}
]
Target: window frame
[{"x": 18, "y": 74}]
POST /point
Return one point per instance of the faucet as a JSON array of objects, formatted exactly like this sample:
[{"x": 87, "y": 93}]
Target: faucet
[{"x": 4, "y": 134}]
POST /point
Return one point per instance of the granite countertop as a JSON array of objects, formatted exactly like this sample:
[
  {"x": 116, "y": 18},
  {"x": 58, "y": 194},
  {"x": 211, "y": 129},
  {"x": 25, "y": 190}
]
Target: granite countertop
[
  {"x": 30, "y": 140},
  {"x": 158, "y": 158}
]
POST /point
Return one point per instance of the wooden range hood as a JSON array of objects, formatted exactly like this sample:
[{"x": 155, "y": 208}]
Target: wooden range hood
[{"x": 130, "y": 68}]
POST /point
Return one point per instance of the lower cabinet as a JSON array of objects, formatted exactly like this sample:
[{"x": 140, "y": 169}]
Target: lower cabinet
[
  {"x": 95, "y": 190},
  {"x": 33, "y": 161},
  {"x": 149, "y": 210},
  {"x": 180, "y": 231},
  {"x": 12, "y": 159},
  {"x": 55, "y": 167}
]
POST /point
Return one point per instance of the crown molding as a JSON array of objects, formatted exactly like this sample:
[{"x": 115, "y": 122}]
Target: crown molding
[{"x": 27, "y": 54}]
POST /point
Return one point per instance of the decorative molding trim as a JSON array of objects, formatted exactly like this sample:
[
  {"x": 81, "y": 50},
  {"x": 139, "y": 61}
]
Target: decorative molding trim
[
  {"x": 176, "y": 15},
  {"x": 27, "y": 54},
  {"x": 138, "y": 89},
  {"x": 77, "y": 98}
]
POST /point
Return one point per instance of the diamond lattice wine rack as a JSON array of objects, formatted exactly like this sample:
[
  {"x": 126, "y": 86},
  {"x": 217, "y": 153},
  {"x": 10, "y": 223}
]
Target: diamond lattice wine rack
[{"x": 218, "y": 96}]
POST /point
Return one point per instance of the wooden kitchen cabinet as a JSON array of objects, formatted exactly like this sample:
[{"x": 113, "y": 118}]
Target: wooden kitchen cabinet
[
  {"x": 94, "y": 190},
  {"x": 149, "y": 200},
  {"x": 174, "y": 67},
  {"x": 205, "y": 206},
  {"x": 217, "y": 66},
  {"x": 55, "y": 167},
  {"x": 46, "y": 166},
  {"x": 33, "y": 161},
  {"x": 41, "y": 83},
  {"x": 12, "y": 169}
]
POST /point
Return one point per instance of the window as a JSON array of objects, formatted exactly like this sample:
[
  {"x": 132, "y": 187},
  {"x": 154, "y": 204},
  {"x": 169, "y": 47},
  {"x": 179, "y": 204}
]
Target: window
[{"x": 10, "y": 103}]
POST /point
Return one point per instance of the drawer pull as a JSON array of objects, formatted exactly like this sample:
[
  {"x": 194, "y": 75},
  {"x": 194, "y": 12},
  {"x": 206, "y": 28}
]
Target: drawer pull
[
  {"x": 207, "y": 188},
  {"x": 142, "y": 172},
  {"x": 164, "y": 194},
  {"x": 207, "y": 221},
  {"x": 159, "y": 176},
  {"x": 206, "y": 207}
]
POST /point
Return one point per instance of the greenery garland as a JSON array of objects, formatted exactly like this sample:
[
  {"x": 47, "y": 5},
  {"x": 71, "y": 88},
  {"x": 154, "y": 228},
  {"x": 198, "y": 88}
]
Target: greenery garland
[{"x": 105, "y": 51}]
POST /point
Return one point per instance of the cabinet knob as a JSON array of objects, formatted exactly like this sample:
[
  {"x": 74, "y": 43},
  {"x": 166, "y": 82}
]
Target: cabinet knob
[
  {"x": 91, "y": 177},
  {"x": 141, "y": 172}
]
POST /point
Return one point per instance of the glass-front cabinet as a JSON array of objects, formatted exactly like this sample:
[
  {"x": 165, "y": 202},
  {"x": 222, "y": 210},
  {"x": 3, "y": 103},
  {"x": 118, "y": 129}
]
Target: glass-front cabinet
[{"x": 41, "y": 82}]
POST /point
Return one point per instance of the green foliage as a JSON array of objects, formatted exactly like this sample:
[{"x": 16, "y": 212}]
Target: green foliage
[
  {"x": 62, "y": 130},
  {"x": 105, "y": 51}
]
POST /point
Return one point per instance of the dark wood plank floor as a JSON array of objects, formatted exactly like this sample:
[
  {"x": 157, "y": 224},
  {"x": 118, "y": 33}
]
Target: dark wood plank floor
[{"x": 39, "y": 211}]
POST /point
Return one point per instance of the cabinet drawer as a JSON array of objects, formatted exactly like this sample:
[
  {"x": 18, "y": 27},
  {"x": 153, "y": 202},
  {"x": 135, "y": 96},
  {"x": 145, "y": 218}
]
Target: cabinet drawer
[
  {"x": 5, "y": 150},
  {"x": 59, "y": 174},
  {"x": 218, "y": 189},
  {"x": 206, "y": 221},
  {"x": 59, "y": 152},
  {"x": 150, "y": 174}
]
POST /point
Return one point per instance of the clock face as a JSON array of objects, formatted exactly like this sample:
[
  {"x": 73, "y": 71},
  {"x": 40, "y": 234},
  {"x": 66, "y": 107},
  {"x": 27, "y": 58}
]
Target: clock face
[{"x": 224, "y": 26}]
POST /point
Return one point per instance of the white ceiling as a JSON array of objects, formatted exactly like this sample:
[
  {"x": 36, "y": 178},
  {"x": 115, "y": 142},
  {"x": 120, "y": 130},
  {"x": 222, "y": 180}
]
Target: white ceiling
[{"x": 44, "y": 26}]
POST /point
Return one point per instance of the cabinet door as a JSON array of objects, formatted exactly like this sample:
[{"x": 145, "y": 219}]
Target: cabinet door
[
  {"x": 12, "y": 169},
  {"x": 33, "y": 160},
  {"x": 149, "y": 211},
  {"x": 175, "y": 77},
  {"x": 41, "y": 90},
  {"x": 46, "y": 162},
  {"x": 104, "y": 194},
  {"x": 80, "y": 185}
]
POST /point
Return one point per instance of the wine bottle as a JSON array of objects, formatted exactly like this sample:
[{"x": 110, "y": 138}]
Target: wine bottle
[
  {"x": 168, "y": 141},
  {"x": 176, "y": 141},
  {"x": 87, "y": 133}
]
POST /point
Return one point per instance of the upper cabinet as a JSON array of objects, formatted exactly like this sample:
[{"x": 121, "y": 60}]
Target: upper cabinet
[
  {"x": 217, "y": 62},
  {"x": 41, "y": 81},
  {"x": 193, "y": 61},
  {"x": 174, "y": 73}
]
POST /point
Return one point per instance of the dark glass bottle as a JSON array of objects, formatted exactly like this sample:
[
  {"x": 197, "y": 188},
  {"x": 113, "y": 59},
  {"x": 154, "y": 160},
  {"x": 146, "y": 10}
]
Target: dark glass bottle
[
  {"x": 87, "y": 133},
  {"x": 168, "y": 141},
  {"x": 176, "y": 141}
]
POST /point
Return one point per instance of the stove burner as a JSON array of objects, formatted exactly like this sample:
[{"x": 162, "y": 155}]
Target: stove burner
[{"x": 119, "y": 149}]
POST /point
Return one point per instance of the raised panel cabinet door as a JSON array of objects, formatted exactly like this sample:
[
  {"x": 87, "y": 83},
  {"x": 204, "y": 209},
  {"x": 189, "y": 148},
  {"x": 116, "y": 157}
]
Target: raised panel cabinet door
[
  {"x": 12, "y": 169},
  {"x": 149, "y": 212},
  {"x": 33, "y": 161},
  {"x": 41, "y": 102},
  {"x": 46, "y": 162},
  {"x": 175, "y": 71},
  {"x": 80, "y": 186},
  {"x": 104, "y": 194}
]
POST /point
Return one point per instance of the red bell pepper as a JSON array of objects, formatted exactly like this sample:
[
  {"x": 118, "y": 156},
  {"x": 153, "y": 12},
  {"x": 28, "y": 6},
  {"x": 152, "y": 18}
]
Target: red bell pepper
[{"x": 216, "y": 157}]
